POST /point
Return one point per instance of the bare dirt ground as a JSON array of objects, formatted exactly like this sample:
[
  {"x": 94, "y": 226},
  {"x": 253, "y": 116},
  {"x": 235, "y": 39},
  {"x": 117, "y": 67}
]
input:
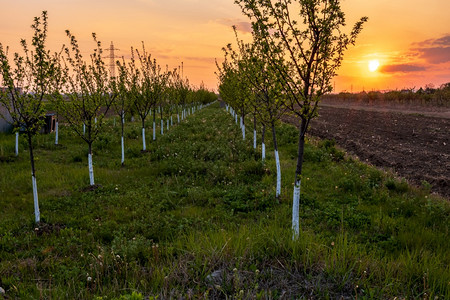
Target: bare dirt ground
[{"x": 412, "y": 142}]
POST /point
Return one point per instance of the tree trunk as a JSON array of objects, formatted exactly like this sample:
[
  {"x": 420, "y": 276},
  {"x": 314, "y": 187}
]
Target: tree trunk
[
  {"x": 122, "y": 140},
  {"x": 162, "y": 121},
  {"x": 56, "y": 132},
  {"x": 154, "y": 124},
  {"x": 263, "y": 145},
  {"x": 37, "y": 214},
  {"x": 17, "y": 143},
  {"x": 277, "y": 160},
  {"x": 254, "y": 131},
  {"x": 91, "y": 166},
  {"x": 243, "y": 126},
  {"x": 144, "y": 145},
  {"x": 297, "y": 182}
]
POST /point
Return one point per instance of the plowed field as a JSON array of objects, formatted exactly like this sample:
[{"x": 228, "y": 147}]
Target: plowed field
[{"x": 415, "y": 146}]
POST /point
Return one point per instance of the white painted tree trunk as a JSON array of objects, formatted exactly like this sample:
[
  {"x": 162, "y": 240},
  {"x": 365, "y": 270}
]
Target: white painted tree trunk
[
  {"x": 167, "y": 125},
  {"x": 254, "y": 138},
  {"x": 37, "y": 214},
  {"x": 123, "y": 150},
  {"x": 56, "y": 132},
  {"x": 178, "y": 118},
  {"x": 84, "y": 129},
  {"x": 296, "y": 210},
  {"x": 162, "y": 127},
  {"x": 263, "y": 150},
  {"x": 154, "y": 131},
  {"x": 277, "y": 159},
  {"x": 95, "y": 120},
  {"x": 235, "y": 118},
  {"x": 91, "y": 169},
  {"x": 243, "y": 132},
  {"x": 144, "y": 146},
  {"x": 17, "y": 143},
  {"x": 171, "y": 121}
]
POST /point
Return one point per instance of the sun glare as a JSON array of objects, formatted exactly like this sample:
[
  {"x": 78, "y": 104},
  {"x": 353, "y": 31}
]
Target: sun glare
[{"x": 373, "y": 65}]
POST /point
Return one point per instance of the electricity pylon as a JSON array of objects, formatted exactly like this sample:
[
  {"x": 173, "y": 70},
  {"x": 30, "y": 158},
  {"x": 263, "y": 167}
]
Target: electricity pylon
[{"x": 112, "y": 62}]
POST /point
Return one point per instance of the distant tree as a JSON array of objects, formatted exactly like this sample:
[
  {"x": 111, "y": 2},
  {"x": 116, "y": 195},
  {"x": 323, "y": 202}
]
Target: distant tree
[
  {"x": 233, "y": 89},
  {"x": 138, "y": 89},
  {"x": 182, "y": 87},
  {"x": 26, "y": 84},
  {"x": 147, "y": 86},
  {"x": 90, "y": 94},
  {"x": 268, "y": 102},
  {"x": 306, "y": 49},
  {"x": 122, "y": 104},
  {"x": 160, "y": 92}
]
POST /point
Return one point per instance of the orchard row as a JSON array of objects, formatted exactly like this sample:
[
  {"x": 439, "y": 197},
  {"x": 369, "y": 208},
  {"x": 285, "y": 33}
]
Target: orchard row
[{"x": 83, "y": 90}]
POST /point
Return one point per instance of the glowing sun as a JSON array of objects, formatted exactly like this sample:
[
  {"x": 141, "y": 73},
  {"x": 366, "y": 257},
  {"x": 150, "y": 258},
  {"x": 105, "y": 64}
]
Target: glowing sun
[{"x": 373, "y": 65}]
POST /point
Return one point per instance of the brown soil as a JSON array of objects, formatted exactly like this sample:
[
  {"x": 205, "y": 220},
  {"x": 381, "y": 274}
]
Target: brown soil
[{"x": 413, "y": 145}]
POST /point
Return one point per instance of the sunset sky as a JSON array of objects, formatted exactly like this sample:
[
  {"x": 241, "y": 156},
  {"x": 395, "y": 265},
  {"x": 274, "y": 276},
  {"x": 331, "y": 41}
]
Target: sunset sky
[{"x": 409, "y": 39}]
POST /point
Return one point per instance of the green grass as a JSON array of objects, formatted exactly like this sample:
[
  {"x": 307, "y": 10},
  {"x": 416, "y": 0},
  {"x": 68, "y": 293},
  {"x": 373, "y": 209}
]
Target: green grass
[{"x": 196, "y": 217}]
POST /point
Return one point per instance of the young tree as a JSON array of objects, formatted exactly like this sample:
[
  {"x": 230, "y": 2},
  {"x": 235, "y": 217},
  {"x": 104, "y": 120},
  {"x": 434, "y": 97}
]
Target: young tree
[
  {"x": 312, "y": 45},
  {"x": 56, "y": 97},
  {"x": 265, "y": 100},
  {"x": 182, "y": 91},
  {"x": 160, "y": 89},
  {"x": 139, "y": 86},
  {"x": 26, "y": 84},
  {"x": 268, "y": 102},
  {"x": 122, "y": 103},
  {"x": 90, "y": 94},
  {"x": 233, "y": 89},
  {"x": 147, "y": 87}
]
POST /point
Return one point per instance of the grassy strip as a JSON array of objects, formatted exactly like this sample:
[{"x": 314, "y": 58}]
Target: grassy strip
[{"x": 196, "y": 217}]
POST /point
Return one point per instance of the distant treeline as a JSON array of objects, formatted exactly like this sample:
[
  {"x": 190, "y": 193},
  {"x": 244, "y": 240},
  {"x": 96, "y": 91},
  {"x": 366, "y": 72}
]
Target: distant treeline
[{"x": 428, "y": 96}]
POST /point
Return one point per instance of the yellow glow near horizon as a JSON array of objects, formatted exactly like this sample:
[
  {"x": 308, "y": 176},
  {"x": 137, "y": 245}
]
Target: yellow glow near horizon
[
  {"x": 408, "y": 38},
  {"x": 373, "y": 65}
]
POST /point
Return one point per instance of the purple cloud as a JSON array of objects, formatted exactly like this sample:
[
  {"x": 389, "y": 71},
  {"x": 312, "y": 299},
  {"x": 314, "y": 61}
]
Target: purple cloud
[
  {"x": 443, "y": 41},
  {"x": 435, "y": 51},
  {"x": 242, "y": 26},
  {"x": 401, "y": 68},
  {"x": 435, "y": 55}
]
